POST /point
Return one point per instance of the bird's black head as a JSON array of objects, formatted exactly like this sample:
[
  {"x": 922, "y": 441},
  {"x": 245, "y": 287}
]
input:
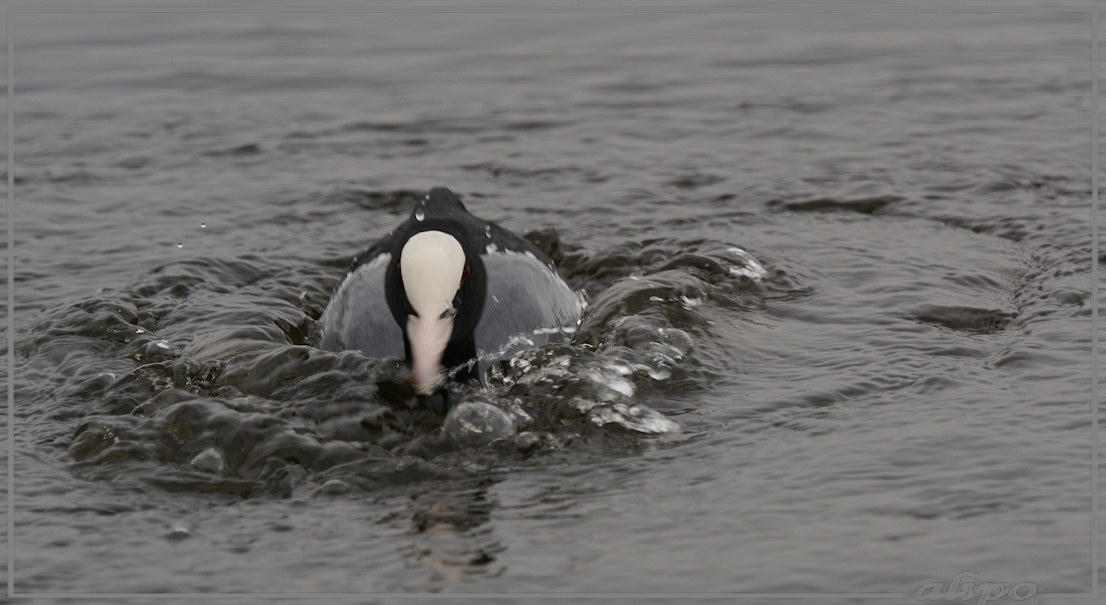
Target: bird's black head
[
  {"x": 441, "y": 202},
  {"x": 435, "y": 287}
]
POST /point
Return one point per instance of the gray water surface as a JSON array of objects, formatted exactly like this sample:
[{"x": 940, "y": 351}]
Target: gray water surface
[{"x": 904, "y": 394}]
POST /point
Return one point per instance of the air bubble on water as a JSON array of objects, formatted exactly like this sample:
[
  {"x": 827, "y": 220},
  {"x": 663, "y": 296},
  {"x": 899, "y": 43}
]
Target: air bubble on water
[
  {"x": 203, "y": 225},
  {"x": 487, "y": 231},
  {"x": 180, "y": 244},
  {"x": 178, "y": 532},
  {"x": 472, "y": 424},
  {"x": 139, "y": 331},
  {"x": 751, "y": 266},
  {"x": 210, "y": 460},
  {"x": 419, "y": 215},
  {"x": 162, "y": 344},
  {"x": 527, "y": 441},
  {"x": 334, "y": 487}
]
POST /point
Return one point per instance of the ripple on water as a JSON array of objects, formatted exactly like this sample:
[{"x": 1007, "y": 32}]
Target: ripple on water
[
  {"x": 202, "y": 375},
  {"x": 969, "y": 320}
]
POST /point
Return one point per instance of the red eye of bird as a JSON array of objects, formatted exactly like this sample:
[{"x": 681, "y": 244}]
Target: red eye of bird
[{"x": 466, "y": 274}]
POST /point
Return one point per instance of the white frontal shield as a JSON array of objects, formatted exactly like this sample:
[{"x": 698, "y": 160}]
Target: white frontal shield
[{"x": 431, "y": 266}]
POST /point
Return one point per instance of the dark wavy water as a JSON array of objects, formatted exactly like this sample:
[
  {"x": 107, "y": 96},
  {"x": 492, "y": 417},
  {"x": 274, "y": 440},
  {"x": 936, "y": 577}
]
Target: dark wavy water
[{"x": 837, "y": 264}]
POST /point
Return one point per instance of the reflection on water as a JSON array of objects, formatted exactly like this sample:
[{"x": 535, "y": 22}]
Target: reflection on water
[{"x": 455, "y": 538}]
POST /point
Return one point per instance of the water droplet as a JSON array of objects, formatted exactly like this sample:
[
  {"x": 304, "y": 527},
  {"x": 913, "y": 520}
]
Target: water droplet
[
  {"x": 178, "y": 532},
  {"x": 180, "y": 244},
  {"x": 690, "y": 303},
  {"x": 419, "y": 214},
  {"x": 203, "y": 225}
]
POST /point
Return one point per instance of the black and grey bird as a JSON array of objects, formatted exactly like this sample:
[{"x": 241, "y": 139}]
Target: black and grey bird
[{"x": 448, "y": 292}]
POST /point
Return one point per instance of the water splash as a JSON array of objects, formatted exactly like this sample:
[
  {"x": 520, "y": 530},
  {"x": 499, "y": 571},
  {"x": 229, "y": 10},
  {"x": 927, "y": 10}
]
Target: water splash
[
  {"x": 219, "y": 391},
  {"x": 633, "y": 417},
  {"x": 750, "y": 267}
]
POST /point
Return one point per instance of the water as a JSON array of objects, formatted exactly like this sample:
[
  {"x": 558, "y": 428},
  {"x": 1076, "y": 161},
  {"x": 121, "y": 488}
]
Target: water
[{"x": 899, "y": 393}]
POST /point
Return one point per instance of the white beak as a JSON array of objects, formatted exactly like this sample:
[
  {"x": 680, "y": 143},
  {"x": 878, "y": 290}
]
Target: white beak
[{"x": 431, "y": 265}]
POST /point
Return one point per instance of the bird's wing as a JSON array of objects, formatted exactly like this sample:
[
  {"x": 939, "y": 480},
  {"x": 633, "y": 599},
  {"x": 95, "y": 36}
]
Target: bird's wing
[
  {"x": 358, "y": 316},
  {"x": 525, "y": 305}
]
